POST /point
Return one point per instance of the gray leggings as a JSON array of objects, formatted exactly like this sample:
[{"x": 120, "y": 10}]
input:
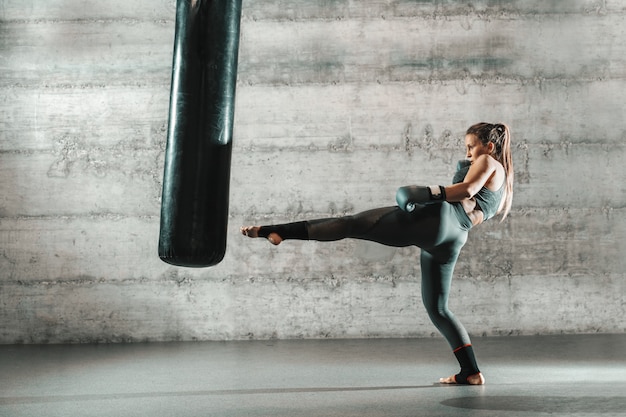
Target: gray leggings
[{"x": 440, "y": 230}]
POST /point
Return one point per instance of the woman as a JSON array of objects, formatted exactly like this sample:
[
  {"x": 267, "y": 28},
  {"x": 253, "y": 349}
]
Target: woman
[{"x": 437, "y": 220}]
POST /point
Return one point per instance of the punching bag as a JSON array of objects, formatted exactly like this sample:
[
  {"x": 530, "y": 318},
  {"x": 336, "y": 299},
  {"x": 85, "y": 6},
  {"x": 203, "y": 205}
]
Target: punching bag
[{"x": 194, "y": 205}]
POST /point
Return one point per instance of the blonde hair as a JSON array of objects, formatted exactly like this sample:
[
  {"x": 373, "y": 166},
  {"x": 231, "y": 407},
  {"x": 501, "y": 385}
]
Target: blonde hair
[{"x": 500, "y": 135}]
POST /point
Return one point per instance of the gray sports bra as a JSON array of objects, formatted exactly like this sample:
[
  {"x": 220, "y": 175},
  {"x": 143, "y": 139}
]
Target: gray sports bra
[{"x": 489, "y": 201}]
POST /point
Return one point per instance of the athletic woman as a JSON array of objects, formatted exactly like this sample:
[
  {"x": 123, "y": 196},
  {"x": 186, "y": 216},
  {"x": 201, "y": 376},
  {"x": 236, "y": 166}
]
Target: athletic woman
[{"x": 437, "y": 220}]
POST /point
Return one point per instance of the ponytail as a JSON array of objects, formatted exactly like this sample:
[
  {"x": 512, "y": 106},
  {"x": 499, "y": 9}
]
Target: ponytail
[{"x": 506, "y": 159}]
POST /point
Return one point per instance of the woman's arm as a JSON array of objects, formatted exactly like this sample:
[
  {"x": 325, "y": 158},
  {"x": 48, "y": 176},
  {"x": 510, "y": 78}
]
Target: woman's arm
[{"x": 479, "y": 173}]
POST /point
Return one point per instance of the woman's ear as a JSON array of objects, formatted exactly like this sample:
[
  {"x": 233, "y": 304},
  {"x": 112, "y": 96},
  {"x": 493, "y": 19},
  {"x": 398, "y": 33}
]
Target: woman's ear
[{"x": 491, "y": 147}]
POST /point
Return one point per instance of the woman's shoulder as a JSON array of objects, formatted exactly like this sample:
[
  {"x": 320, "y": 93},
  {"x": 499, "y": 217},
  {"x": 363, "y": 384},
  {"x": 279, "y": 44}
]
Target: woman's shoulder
[
  {"x": 498, "y": 175},
  {"x": 489, "y": 163}
]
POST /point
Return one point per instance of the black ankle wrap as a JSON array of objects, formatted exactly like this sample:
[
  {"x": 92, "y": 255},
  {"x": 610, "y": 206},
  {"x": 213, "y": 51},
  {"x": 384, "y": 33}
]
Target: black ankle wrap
[
  {"x": 467, "y": 360},
  {"x": 296, "y": 230}
]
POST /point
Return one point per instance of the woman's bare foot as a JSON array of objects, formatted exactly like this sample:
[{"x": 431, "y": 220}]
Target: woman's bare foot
[
  {"x": 250, "y": 231},
  {"x": 253, "y": 231},
  {"x": 476, "y": 379}
]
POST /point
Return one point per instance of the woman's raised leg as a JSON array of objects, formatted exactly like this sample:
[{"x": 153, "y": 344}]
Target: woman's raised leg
[{"x": 387, "y": 225}]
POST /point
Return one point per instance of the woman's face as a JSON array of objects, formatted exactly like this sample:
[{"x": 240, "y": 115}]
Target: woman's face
[{"x": 475, "y": 148}]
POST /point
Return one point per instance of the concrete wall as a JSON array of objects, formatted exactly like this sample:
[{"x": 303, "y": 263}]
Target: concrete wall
[{"x": 338, "y": 103}]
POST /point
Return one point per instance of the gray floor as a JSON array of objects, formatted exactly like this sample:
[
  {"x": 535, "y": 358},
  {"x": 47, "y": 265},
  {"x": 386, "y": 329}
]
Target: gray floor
[{"x": 526, "y": 376}]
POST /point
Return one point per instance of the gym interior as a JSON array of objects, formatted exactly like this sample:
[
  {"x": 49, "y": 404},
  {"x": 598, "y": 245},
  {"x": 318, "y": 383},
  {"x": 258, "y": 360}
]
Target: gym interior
[{"x": 333, "y": 106}]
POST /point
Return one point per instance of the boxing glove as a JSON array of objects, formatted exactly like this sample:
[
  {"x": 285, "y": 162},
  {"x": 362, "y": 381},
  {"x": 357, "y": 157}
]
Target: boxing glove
[{"x": 409, "y": 196}]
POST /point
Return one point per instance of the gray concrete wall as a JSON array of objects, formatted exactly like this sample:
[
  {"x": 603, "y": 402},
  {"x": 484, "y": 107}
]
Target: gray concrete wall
[{"x": 338, "y": 103}]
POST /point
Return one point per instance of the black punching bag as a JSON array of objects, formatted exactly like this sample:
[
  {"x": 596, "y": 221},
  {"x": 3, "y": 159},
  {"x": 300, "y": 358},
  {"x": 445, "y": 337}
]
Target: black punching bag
[{"x": 194, "y": 206}]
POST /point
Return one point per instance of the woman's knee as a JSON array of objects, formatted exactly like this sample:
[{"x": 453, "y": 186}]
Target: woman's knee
[{"x": 437, "y": 311}]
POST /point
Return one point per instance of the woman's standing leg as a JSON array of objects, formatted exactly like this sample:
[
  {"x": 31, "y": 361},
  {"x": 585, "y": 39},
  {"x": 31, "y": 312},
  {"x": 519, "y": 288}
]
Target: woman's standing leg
[{"x": 436, "y": 282}]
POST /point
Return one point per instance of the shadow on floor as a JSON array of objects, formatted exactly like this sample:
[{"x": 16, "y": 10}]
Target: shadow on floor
[{"x": 597, "y": 405}]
